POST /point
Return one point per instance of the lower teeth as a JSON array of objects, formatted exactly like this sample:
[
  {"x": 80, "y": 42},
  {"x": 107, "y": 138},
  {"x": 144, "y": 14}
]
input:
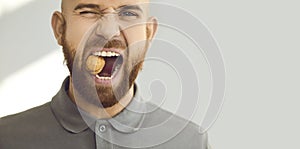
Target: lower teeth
[
  {"x": 103, "y": 78},
  {"x": 112, "y": 76}
]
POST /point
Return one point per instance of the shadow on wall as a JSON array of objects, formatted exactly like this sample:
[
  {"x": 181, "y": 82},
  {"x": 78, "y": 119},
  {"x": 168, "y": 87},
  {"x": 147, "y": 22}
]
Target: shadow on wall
[{"x": 26, "y": 35}]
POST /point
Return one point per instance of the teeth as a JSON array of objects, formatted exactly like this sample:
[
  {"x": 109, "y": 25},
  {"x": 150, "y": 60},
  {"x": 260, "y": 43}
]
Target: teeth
[
  {"x": 107, "y": 78},
  {"x": 103, "y": 78},
  {"x": 109, "y": 54},
  {"x": 103, "y": 54},
  {"x": 98, "y": 53},
  {"x": 106, "y": 54}
]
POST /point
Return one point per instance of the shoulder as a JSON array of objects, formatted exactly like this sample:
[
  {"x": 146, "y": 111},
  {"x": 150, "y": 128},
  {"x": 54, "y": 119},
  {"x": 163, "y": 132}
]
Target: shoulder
[
  {"x": 25, "y": 117},
  {"x": 15, "y": 127},
  {"x": 184, "y": 132}
]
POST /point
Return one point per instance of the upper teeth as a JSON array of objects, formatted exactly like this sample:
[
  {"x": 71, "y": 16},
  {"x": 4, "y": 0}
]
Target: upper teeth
[{"x": 106, "y": 54}]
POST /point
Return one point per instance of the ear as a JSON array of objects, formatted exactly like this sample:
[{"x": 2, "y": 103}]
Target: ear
[
  {"x": 152, "y": 25},
  {"x": 58, "y": 23}
]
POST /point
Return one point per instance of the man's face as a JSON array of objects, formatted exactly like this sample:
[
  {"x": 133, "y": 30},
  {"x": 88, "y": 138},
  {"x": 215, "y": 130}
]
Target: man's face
[{"x": 115, "y": 27}]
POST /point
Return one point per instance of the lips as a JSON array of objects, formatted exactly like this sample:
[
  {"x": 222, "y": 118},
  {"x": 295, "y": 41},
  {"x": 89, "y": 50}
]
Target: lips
[{"x": 105, "y": 64}]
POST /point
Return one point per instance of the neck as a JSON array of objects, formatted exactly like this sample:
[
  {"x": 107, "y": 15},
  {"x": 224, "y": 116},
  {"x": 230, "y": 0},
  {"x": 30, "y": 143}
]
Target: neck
[{"x": 97, "y": 112}]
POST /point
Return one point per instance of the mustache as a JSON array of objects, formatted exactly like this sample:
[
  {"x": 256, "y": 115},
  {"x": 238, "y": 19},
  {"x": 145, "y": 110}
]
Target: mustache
[
  {"x": 115, "y": 44},
  {"x": 102, "y": 43}
]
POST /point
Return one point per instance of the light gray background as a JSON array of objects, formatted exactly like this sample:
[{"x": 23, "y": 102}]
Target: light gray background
[{"x": 259, "y": 40}]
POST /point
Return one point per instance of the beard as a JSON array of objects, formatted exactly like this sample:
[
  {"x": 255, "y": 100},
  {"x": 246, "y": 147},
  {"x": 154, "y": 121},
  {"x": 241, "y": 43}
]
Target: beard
[{"x": 85, "y": 87}]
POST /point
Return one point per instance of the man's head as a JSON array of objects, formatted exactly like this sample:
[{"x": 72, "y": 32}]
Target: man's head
[{"x": 117, "y": 30}]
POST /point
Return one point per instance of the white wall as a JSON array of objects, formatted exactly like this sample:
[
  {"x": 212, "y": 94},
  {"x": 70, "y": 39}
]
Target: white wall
[{"x": 31, "y": 63}]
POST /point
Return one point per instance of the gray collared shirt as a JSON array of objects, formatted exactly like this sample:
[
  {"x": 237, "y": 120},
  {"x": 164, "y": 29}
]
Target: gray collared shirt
[{"x": 60, "y": 124}]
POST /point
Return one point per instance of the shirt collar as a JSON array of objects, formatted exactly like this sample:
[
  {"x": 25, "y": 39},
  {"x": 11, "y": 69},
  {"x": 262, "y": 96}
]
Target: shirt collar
[{"x": 70, "y": 116}]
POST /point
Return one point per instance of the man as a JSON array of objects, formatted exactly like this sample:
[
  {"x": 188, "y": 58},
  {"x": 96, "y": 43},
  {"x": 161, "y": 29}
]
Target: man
[{"x": 104, "y": 43}]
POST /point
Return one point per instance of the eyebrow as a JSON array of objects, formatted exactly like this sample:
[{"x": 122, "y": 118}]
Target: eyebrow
[{"x": 81, "y": 6}]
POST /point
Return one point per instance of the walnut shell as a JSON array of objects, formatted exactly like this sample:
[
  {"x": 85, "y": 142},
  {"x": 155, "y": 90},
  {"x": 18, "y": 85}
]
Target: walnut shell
[{"x": 95, "y": 64}]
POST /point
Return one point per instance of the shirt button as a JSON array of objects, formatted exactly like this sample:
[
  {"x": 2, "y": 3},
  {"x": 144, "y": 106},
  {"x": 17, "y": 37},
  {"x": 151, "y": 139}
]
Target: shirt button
[{"x": 102, "y": 128}]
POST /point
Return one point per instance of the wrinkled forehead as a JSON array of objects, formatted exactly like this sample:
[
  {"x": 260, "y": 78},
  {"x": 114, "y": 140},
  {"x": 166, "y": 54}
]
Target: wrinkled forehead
[{"x": 69, "y": 5}]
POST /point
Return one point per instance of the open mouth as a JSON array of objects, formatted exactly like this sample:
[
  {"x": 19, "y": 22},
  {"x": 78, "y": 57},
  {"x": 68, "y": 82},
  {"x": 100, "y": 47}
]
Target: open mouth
[{"x": 104, "y": 64}]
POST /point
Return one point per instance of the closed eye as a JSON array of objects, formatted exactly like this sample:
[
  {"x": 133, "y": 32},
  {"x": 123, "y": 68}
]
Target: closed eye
[{"x": 88, "y": 12}]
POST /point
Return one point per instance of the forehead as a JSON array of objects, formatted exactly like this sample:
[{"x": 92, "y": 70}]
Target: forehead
[{"x": 103, "y": 4}]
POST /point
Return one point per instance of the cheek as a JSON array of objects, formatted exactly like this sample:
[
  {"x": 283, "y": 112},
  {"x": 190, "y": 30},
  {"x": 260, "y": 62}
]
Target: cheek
[
  {"x": 137, "y": 39},
  {"x": 136, "y": 34},
  {"x": 75, "y": 31}
]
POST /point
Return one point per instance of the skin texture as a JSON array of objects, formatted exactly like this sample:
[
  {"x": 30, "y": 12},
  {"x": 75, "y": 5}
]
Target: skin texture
[{"x": 108, "y": 25}]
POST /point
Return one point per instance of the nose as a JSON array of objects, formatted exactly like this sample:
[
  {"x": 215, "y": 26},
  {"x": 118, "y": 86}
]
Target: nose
[{"x": 108, "y": 27}]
